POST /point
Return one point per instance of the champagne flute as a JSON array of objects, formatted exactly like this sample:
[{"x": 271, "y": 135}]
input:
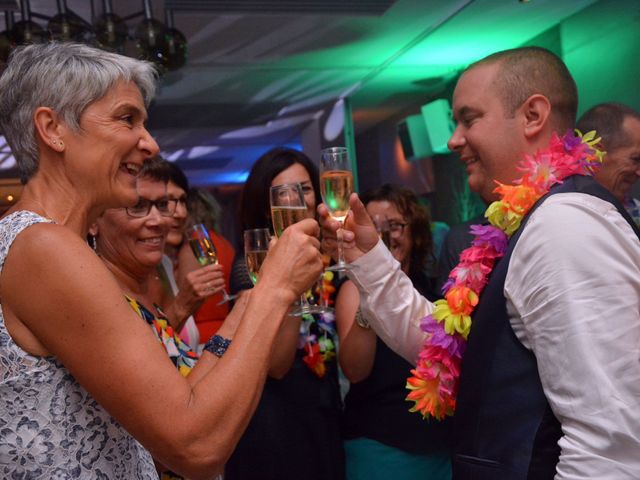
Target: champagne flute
[
  {"x": 288, "y": 207},
  {"x": 205, "y": 251},
  {"x": 336, "y": 185},
  {"x": 256, "y": 246}
]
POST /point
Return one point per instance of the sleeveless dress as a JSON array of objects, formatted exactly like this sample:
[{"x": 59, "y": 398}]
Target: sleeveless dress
[{"x": 50, "y": 427}]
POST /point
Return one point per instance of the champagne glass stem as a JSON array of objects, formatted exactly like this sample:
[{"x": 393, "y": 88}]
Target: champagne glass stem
[
  {"x": 340, "y": 246},
  {"x": 341, "y": 265},
  {"x": 304, "y": 304},
  {"x": 226, "y": 297}
]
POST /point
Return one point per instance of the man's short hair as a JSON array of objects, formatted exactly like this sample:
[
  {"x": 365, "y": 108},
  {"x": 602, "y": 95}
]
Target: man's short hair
[
  {"x": 527, "y": 71},
  {"x": 607, "y": 120}
]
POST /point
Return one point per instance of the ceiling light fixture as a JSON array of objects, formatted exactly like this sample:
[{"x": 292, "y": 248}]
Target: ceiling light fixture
[{"x": 161, "y": 44}]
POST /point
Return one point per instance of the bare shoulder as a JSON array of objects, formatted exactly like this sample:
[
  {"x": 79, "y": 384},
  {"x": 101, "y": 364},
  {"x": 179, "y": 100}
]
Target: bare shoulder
[
  {"x": 51, "y": 273},
  {"x": 46, "y": 250}
]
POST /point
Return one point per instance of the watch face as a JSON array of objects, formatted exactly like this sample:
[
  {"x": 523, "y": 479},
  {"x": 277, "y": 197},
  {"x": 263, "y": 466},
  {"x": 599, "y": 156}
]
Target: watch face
[{"x": 360, "y": 320}]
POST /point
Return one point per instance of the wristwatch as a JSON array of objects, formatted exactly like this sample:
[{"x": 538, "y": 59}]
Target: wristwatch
[{"x": 361, "y": 321}]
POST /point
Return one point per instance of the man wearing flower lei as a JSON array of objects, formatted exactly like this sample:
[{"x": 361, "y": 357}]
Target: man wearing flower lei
[{"x": 535, "y": 344}]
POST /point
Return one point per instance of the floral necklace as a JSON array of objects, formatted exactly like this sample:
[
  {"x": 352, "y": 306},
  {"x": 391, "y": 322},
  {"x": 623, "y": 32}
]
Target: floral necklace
[
  {"x": 317, "y": 332},
  {"x": 434, "y": 381}
]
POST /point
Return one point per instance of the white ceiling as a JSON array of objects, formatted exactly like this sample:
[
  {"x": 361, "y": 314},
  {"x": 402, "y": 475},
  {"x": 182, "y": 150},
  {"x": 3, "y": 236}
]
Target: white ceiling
[{"x": 258, "y": 71}]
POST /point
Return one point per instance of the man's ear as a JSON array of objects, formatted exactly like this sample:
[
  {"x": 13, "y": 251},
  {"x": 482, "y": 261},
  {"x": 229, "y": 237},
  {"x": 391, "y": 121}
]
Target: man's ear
[
  {"x": 536, "y": 114},
  {"x": 49, "y": 129}
]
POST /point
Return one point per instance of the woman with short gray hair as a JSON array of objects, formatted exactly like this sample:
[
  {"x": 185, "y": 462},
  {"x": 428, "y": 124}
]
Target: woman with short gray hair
[{"x": 82, "y": 378}]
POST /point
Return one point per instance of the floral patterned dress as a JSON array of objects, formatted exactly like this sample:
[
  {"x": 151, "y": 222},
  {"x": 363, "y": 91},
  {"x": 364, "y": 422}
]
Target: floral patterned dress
[
  {"x": 179, "y": 352},
  {"x": 50, "y": 427}
]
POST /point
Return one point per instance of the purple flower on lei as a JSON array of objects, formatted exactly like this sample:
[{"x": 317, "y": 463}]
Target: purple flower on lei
[
  {"x": 489, "y": 235},
  {"x": 454, "y": 344},
  {"x": 571, "y": 141},
  {"x": 447, "y": 285}
]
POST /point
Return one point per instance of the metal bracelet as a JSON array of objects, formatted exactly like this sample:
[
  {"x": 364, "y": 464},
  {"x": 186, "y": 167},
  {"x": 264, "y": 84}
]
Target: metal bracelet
[{"x": 361, "y": 321}]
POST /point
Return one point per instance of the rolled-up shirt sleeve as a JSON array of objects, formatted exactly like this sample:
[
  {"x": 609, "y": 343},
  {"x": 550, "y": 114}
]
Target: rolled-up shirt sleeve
[
  {"x": 573, "y": 291},
  {"x": 389, "y": 302}
]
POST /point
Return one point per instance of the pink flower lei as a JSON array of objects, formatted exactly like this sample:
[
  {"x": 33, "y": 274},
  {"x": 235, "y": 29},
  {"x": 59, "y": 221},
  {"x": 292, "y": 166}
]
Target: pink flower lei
[{"x": 434, "y": 382}]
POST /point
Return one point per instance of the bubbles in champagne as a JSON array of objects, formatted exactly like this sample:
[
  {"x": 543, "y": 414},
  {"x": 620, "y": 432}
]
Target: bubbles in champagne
[
  {"x": 336, "y": 186},
  {"x": 285, "y": 216},
  {"x": 254, "y": 261}
]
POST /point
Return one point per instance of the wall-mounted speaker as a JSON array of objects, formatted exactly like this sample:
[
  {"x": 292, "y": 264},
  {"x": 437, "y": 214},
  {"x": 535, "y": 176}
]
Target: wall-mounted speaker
[
  {"x": 439, "y": 124},
  {"x": 413, "y": 138},
  {"x": 427, "y": 133}
]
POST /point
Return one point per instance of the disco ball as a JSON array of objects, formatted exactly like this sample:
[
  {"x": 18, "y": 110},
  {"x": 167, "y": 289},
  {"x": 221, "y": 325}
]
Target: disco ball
[
  {"x": 111, "y": 31},
  {"x": 175, "y": 55},
  {"x": 26, "y": 31}
]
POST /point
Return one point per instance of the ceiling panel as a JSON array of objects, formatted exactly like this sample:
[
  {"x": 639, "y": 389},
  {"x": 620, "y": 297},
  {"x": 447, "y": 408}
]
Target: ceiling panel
[{"x": 258, "y": 72}]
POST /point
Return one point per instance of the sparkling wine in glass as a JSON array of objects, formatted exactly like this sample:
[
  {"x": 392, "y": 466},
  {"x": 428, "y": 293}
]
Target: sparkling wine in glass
[
  {"x": 336, "y": 185},
  {"x": 256, "y": 247},
  {"x": 288, "y": 207},
  {"x": 284, "y": 216},
  {"x": 205, "y": 251}
]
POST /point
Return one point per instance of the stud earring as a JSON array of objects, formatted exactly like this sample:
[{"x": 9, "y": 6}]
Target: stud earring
[{"x": 92, "y": 242}]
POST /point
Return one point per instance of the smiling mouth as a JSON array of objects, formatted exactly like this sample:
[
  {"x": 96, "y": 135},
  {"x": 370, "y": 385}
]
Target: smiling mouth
[
  {"x": 156, "y": 241},
  {"x": 132, "y": 168}
]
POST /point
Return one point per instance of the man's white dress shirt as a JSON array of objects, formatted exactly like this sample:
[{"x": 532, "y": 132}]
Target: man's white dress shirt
[{"x": 573, "y": 297}]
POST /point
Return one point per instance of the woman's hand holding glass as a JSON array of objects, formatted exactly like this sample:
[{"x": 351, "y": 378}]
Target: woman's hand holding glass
[
  {"x": 205, "y": 252},
  {"x": 203, "y": 282},
  {"x": 294, "y": 261},
  {"x": 287, "y": 208}
]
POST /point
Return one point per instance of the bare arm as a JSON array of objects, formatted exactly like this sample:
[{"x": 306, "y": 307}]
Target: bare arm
[
  {"x": 284, "y": 349},
  {"x": 357, "y": 344},
  {"x": 81, "y": 321},
  {"x": 395, "y": 318}
]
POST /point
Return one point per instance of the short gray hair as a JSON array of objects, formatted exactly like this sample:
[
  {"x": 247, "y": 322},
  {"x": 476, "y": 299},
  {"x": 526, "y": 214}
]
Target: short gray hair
[{"x": 66, "y": 77}]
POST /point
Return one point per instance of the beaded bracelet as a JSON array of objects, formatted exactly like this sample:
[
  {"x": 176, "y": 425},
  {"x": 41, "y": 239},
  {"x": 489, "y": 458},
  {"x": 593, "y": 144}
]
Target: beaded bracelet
[{"x": 217, "y": 345}]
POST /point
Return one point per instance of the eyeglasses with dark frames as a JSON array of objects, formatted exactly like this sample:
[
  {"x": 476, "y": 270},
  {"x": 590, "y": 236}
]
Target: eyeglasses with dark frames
[
  {"x": 396, "y": 228},
  {"x": 165, "y": 207},
  {"x": 180, "y": 200}
]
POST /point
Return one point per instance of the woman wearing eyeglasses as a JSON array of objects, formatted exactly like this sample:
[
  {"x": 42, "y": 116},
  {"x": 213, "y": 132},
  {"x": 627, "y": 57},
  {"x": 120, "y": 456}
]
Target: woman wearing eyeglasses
[
  {"x": 382, "y": 439},
  {"x": 183, "y": 285},
  {"x": 131, "y": 242}
]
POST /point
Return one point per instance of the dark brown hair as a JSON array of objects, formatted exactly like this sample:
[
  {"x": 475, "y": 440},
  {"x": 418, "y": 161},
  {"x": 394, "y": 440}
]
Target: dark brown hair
[
  {"x": 156, "y": 169},
  {"x": 254, "y": 204},
  {"x": 416, "y": 216}
]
